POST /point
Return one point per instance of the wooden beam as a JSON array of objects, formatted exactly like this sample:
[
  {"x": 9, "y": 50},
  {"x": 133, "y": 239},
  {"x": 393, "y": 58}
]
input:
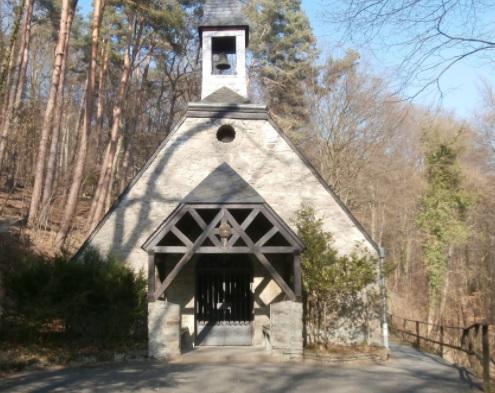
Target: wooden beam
[
  {"x": 261, "y": 257},
  {"x": 221, "y": 250},
  {"x": 286, "y": 232},
  {"x": 160, "y": 234},
  {"x": 224, "y": 205},
  {"x": 199, "y": 220},
  {"x": 267, "y": 236},
  {"x": 170, "y": 249},
  {"x": 297, "y": 277},
  {"x": 182, "y": 237},
  {"x": 202, "y": 224},
  {"x": 245, "y": 224},
  {"x": 276, "y": 276},
  {"x": 187, "y": 256},
  {"x": 277, "y": 249},
  {"x": 151, "y": 277}
]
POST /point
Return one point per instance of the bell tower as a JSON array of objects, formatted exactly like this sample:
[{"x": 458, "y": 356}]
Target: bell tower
[{"x": 224, "y": 35}]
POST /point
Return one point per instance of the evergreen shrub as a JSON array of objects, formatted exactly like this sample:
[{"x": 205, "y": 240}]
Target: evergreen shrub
[{"x": 92, "y": 298}]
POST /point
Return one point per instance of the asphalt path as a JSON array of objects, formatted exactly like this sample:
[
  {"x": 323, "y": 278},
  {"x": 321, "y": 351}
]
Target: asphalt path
[{"x": 407, "y": 371}]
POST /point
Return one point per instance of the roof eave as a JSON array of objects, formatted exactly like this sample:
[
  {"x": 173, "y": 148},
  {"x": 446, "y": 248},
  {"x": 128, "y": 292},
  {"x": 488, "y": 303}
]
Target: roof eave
[
  {"x": 227, "y": 111},
  {"x": 220, "y": 27}
]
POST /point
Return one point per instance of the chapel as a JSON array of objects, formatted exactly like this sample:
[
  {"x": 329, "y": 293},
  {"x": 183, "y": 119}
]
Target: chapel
[{"x": 210, "y": 218}]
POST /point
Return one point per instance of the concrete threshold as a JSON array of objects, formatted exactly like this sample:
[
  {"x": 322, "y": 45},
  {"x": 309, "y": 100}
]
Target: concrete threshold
[{"x": 225, "y": 354}]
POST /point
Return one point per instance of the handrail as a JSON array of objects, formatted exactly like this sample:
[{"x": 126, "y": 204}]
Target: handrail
[
  {"x": 444, "y": 326},
  {"x": 483, "y": 356}
]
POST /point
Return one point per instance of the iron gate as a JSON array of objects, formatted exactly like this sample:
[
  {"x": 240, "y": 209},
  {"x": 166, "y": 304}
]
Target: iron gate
[{"x": 224, "y": 300}]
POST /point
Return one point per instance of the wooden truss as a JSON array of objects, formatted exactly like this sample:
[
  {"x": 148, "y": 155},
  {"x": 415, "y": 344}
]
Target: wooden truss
[{"x": 223, "y": 229}]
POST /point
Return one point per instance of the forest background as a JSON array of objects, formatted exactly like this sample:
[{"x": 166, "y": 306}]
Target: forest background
[{"x": 87, "y": 92}]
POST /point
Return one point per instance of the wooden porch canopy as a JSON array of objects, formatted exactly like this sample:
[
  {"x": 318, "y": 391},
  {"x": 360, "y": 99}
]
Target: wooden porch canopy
[
  {"x": 223, "y": 215},
  {"x": 223, "y": 229}
]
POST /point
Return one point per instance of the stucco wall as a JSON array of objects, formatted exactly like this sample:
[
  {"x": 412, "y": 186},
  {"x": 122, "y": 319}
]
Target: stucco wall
[{"x": 258, "y": 154}]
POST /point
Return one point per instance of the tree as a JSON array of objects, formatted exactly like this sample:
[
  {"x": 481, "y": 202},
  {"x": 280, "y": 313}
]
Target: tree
[
  {"x": 143, "y": 21},
  {"x": 80, "y": 160},
  {"x": 7, "y": 63},
  {"x": 15, "y": 92},
  {"x": 284, "y": 52},
  {"x": 443, "y": 213},
  {"x": 55, "y": 94},
  {"x": 430, "y": 35}
]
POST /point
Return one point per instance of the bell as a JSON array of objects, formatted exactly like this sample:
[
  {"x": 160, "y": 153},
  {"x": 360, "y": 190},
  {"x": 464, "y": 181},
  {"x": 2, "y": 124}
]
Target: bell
[{"x": 222, "y": 62}]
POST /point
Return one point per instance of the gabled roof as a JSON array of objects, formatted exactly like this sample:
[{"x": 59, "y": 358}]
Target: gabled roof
[
  {"x": 223, "y": 185},
  {"x": 224, "y": 95},
  {"x": 218, "y": 13},
  {"x": 218, "y": 111}
]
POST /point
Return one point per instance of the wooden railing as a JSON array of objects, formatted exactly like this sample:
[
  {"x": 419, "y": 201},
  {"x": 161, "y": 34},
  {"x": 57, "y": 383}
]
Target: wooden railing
[{"x": 474, "y": 341}]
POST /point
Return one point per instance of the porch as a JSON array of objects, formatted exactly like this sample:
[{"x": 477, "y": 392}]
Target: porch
[{"x": 224, "y": 275}]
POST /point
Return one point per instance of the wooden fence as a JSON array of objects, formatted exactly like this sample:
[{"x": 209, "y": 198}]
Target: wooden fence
[{"x": 473, "y": 342}]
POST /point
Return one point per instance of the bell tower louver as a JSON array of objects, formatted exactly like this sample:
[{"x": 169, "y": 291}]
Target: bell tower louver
[{"x": 224, "y": 34}]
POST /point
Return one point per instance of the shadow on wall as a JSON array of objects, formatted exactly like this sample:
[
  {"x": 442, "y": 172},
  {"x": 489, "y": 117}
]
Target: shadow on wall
[{"x": 123, "y": 247}]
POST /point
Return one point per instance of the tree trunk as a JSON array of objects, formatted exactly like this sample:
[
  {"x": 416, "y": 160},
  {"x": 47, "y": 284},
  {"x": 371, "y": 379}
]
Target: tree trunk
[
  {"x": 57, "y": 122},
  {"x": 108, "y": 200},
  {"x": 445, "y": 289},
  {"x": 98, "y": 128},
  {"x": 109, "y": 160},
  {"x": 8, "y": 66},
  {"x": 72, "y": 198},
  {"x": 53, "y": 96},
  {"x": 125, "y": 168},
  {"x": 100, "y": 109},
  {"x": 16, "y": 92}
]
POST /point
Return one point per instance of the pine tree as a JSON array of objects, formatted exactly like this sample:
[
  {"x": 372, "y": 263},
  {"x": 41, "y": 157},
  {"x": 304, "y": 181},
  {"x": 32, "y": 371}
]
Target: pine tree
[{"x": 283, "y": 48}]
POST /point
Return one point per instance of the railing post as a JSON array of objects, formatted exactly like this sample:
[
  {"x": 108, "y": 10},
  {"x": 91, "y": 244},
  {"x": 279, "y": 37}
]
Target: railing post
[
  {"x": 418, "y": 342},
  {"x": 441, "y": 340},
  {"x": 485, "y": 342}
]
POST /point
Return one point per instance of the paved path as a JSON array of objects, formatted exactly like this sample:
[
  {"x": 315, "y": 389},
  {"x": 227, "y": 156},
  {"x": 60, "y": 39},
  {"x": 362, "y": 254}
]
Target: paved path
[{"x": 408, "y": 371}]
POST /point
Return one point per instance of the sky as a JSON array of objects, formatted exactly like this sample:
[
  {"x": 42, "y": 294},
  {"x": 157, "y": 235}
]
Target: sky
[{"x": 460, "y": 85}]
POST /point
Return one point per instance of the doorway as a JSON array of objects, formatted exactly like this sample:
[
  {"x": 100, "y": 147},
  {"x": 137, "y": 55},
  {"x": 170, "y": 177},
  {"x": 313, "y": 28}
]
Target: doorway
[{"x": 224, "y": 300}]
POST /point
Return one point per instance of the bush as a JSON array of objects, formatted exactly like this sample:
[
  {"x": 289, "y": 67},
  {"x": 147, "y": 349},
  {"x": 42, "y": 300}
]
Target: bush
[
  {"x": 336, "y": 287},
  {"x": 91, "y": 297}
]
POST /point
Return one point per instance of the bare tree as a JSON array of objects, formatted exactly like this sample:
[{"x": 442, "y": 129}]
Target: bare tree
[
  {"x": 17, "y": 89},
  {"x": 8, "y": 61},
  {"x": 57, "y": 120},
  {"x": 132, "y": 47},
  {"x": 80, "y": 160},
  {"x": 430, "y": 35}
]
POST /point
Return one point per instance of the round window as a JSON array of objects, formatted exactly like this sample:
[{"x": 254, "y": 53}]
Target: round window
[{"x": 226, "y": 134}]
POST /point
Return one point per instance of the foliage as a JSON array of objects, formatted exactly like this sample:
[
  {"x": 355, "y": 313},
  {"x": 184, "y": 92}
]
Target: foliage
[
  {"x": 443, "y": 209},
  {"x": 333, "y": 284},
  {"x": 284, "y": 52},
  {"x": 92, "y": 297}
]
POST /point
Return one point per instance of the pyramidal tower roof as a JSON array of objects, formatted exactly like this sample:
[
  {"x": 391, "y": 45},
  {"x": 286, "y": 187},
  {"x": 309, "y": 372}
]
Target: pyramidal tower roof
[{"x": 223, "y": 13}]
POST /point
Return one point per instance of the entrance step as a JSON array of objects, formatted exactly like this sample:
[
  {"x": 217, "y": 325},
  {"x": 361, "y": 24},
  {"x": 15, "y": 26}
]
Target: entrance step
[{"x": 225, "y": 354}]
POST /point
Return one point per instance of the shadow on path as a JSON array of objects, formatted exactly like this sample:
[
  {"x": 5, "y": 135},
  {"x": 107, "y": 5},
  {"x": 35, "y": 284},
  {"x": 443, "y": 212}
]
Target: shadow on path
[{"x": 408, "y": 371}]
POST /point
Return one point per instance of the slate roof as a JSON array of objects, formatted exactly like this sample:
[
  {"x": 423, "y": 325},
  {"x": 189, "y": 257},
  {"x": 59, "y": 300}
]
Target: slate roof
[
  {"x": 223, "y": 13},
  {"x": 223, "y": 185},
  {"x": 224, "y": 95}
]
